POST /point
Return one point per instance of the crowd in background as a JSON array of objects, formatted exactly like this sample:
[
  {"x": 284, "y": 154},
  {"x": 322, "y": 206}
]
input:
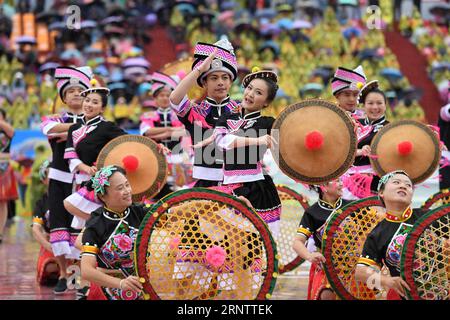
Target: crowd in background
[{"x": 304, "y": 41}]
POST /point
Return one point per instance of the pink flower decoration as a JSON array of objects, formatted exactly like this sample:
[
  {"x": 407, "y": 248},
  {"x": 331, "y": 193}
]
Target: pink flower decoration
[
  {"x": 401, "y": 239},
  {"x": 215, "y": 256},
  {"x": 174, "y": 242},
  {"x": 123, "y": 242}
]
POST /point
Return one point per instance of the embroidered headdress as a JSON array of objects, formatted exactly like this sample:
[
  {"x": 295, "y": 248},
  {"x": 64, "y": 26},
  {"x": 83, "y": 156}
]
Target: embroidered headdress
[
  {"x": 368, "y": 87},
  {"x": 68, "y": 77},
  {"x": 162, "y": 80},
  {"x": 384, "y": 179},
  {"x": 225, "y": 59},
  {"x": 345, "y": 79},
  {"x": 95, "y": 88},
  {"x": 101, "y": 179},
  {"x": 259, "y": 74}
]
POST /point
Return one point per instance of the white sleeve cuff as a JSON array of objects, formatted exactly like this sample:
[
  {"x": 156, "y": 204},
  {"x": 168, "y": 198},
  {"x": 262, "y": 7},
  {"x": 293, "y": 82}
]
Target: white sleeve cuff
[
  {"x": 177, "y": 107},
  {"x": 143, "y": 129},
  {"x": 49, "y": 126},
  {"x": 73, "y": 163},
  {"x": 225, "y": 142}
]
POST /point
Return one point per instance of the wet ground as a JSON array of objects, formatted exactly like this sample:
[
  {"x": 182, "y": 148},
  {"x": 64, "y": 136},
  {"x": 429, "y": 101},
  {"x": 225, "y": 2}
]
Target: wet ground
[{"x": 18, "y": 257}]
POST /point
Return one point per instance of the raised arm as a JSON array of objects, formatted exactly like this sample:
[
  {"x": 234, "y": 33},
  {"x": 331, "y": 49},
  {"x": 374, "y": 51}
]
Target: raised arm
[{"x": 190, "y": 80}]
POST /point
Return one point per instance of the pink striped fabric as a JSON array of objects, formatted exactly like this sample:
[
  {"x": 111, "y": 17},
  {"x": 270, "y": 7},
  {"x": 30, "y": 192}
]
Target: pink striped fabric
[
  {"x": 204, "y": 50},
  {"x": 164, "y": 79},
  {"x": 349, "y": 75}
]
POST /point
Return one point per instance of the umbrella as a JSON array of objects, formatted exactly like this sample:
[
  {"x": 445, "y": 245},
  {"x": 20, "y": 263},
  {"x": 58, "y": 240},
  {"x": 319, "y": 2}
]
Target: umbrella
[
  {"x": 285, "y": 23},
  {"x": 441, "y": 10},
  {"x": 113, "y": 86},
  {"x": 311, "y": 8},
  {"x": 92, "y": 50},
  {"x": 48, "y": 15},
  {"x": 351, "y": 31},
  {"x": 311, "y": 89},
  {"x": 352, "y": 3},
  {"x": 440, "y": 67},
  {"x": 411, "y": 93},
  {"x": 57, "y": 25},
  {"x": 48, "y": 66},
  {"x": 271, "y": 45},
  {"x": 229, "y": 14},
  {"x": 71, "y": 54},
  {"x": 88, "y": 24},
  {"x": 270, "y": 29},
  {"x": 228, "y": 5},
  {"x": 25, "y": 40},
  {"x": 136, "y": 62},
  {"x": 114, "y": 30},
  {"x": 391, "y": 74},
  {"x": 324, "y": 72},
  {"x": 302, "y": 24},
  {"x": 281, "y": 94},
  {"x": 186, "y": 8},
  {"x": 8, "y": 10},
  {"x": 112, "y": 19},
  {"x": 144, "y": 88},
  {"x": 284, "y": 7},
  {"x": 265, "y": 13},
  {"x": 368, "y": 54},
  {"x": 102, "y": 71}
]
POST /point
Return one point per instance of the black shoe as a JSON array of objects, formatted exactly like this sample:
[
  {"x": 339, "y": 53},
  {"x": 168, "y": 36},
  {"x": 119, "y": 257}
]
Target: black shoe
[
  {"x": 82, "y": 293},
  {"x": 61, "y": 286}
]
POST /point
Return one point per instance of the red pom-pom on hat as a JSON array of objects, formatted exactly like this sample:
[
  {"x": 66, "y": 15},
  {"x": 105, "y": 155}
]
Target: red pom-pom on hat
[
  {"x": 130, "y": 163},
  {"x": 314, "y": 140},
  {"x": 405, "y": 148}
]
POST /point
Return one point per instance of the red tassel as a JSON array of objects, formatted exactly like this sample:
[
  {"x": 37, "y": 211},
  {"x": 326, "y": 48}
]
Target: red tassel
[
  {"x": 405, "y": 148},
  {"x": 130, "y": 163},
  {"x": 195, "y": 117},
  {"x": 314, "y": 140}
]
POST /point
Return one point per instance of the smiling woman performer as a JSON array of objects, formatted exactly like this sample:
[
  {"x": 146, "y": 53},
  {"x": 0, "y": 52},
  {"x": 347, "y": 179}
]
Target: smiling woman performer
[
  {"x": 245, "y": 137},
  {"x": 84, "y": 142},
  {"x": 360, "y": 180},
  {"x": 109, "y": 236},
  {"x": 384, "y": 244}
]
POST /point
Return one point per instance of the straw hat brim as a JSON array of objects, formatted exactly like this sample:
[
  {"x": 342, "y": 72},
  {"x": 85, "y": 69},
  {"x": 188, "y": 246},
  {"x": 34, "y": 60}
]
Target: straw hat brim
[
  {"x": 338, "y": 149},
  {"x": 151, "y": 173},
  {"x": 420, "y": 163}
]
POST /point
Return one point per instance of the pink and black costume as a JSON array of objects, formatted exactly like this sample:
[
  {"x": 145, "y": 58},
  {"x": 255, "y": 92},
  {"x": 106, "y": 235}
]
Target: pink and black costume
[
  {"x": 84, "y": 142},
  {"x": 61, "y": 179},
  {"x": 200, "y": 118}
]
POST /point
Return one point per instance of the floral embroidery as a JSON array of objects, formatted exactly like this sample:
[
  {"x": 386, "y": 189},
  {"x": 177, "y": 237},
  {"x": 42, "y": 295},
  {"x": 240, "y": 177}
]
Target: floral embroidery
[
  {"x": 118, "y": 249},
  {"x": 123, "y": 242},
  {"x": 394, "y": 250},
  {"x": 100, "y": 180},
  {"x": 118, "y": 252}
]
